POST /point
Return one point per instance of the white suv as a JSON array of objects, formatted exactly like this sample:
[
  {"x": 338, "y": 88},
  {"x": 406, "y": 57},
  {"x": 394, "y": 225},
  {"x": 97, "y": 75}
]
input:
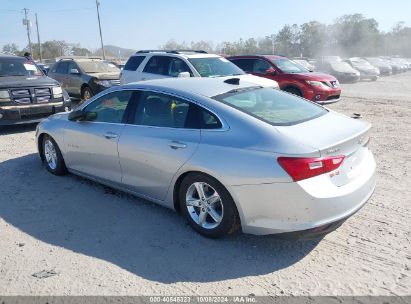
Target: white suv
[{"x": 153, "y": 64}]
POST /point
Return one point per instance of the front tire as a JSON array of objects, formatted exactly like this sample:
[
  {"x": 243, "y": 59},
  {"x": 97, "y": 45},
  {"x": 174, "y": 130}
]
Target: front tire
[
  {"x": 207, "y": 206},
  {"x": 52, "y": 157},
  {"x": 86, "y": 94},
  {"x": 293, "y": 91}
]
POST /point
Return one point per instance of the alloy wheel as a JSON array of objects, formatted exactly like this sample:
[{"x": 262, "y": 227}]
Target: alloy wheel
[
  {"x": 204, "y": 205},
  {"x": 51, "y": 154}
]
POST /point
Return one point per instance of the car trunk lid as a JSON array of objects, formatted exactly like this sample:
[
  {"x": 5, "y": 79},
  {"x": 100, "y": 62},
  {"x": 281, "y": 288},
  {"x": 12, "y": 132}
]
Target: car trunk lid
[{"x": 334, "y": 134}]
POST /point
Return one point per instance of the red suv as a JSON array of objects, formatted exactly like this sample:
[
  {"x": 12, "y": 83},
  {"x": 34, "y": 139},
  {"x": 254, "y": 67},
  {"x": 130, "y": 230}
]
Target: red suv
[{"x": 291, "y": 77}]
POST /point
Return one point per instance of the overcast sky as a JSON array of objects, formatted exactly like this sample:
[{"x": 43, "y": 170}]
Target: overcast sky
[{"x": 142, "y": 24}]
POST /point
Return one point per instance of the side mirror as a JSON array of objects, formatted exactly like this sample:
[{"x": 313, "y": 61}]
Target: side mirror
[
  {"x": 76, "y": 115},
  {"x": 271, "y": 71},
  {"x": 184, "y": 75},
  {"x": 45, "y": 71},
  {"x": 74, "y": 71}
]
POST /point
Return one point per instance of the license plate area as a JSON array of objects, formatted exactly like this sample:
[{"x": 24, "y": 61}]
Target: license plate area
[{"x": 350, "y": 168}]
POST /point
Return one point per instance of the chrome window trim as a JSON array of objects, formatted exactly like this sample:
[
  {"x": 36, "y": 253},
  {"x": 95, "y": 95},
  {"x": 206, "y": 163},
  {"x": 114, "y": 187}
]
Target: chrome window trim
[{"x": 224, "y": 124}]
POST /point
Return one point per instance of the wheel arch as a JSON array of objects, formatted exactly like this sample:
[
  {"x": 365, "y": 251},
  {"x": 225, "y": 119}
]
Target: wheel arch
[
  {"x": 180, "y": 178},
  {"x": 294, "y": 87},
  {"x": 83, "y": 86},
  {"x": 40, "y": 144}
]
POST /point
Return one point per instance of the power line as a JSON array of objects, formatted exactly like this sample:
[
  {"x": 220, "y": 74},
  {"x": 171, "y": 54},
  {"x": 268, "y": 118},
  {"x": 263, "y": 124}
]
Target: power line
[{"x": 50, "y": 11}]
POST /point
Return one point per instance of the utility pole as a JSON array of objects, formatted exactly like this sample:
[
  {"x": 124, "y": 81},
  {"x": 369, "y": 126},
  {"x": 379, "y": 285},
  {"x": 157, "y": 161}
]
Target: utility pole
[
  {"x": 26, "y": 22},
  {"x": 99, "y": 26},
  {"x": 271, "y": 38},
  {"x": 38, "y": 38}
]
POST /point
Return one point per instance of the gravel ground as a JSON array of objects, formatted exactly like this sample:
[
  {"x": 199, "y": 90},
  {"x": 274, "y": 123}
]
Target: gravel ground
[{"x": 69, "y": 236}]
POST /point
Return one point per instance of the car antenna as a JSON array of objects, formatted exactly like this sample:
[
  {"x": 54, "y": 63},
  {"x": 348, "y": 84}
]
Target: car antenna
[{"x": 233, "y": 81}]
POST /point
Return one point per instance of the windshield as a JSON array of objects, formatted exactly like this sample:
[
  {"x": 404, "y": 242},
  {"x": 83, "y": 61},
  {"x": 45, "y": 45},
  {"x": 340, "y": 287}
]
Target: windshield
[
  {"x": 272, "y": 106},
  {"x": 18, "y": 67},
  {"x": 215, "y": 67},
  {"x": 288, "y": 66},
  {"x": 98, "y": 67}
]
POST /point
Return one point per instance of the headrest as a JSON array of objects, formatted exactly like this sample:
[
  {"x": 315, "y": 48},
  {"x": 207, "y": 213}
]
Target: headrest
[{"x": 156, "y": 106}]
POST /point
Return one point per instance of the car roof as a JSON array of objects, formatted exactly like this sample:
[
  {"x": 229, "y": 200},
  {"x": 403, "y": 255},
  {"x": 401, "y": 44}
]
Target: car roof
[
  {"x": 208, "y": 87},
  {"x": 12, "y": 56},
  {"x": 270, "y": 57},
  {"x": 181, "y": 54}
]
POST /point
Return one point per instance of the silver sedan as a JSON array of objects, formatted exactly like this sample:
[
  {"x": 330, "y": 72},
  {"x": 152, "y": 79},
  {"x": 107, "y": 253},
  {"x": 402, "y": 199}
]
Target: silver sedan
[{"x": 225, "y": 153}]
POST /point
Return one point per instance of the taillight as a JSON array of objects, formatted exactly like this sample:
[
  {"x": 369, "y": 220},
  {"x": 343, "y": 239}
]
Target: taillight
[{"x": 303, "y": 168}]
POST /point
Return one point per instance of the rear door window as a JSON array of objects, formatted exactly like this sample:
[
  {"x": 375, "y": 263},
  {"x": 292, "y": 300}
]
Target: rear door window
[
  {"x": 161, "y": 110},
  {"x": 133, "y": 63}
]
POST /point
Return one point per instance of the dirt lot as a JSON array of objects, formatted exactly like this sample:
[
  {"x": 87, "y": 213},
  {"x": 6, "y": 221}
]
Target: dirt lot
[{"x": 68, "y": 236}]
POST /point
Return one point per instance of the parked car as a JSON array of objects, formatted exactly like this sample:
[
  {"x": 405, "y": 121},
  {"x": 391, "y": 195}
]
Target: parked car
[
  {"x": 365, "y": 68},
  {"x": 26, "y": 94},
  {"x": 224, "y": 152},
  {"x": 305, "y": 63},
  {"x": 291, "y": 77},
  {"x": 335, "y": 66},
  {"x": 85, "y": 77},
  {"x": 403, "y": 64},
  {"x": 154, "y": 64},
  {"x": 44, "y": 67},
  {"x": 396, "y": 68},
  {"x": 384, "y": 67}
]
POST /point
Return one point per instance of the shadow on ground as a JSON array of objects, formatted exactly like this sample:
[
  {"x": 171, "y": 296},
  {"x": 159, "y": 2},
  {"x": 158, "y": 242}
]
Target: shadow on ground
[
  {"x": 14, "y": 129},
  {"x": 145, "y": 239}
]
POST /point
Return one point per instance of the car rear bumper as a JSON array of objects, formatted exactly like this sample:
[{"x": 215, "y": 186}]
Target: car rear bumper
[
  {"x": 31, "y": 113},
  {"x": 315, "y": 203}
]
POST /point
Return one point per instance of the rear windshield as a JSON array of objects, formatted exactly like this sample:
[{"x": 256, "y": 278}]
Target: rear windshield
[
  {"x": 272, "y": 106},
  {"x": 215, "y": 67},
  {"x": 98, "y": 66},
  {"x": 18, "y": 67}
]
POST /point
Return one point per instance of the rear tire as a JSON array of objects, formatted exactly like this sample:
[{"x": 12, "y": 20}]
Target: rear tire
[
  {"x": 207, "y": 206},
  {"x": 52, "y": 157},
  {"x": 293, "y": 91}
]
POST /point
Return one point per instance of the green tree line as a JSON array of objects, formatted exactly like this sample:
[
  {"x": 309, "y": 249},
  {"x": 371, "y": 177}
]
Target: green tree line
[{"x": 349, "y": 35}]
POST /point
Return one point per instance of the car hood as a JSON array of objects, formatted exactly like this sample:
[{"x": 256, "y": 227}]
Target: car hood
[
  {"x": 314, "y": 76},
  {"x": 26, "y": 81},
  {"x": 106, "y": 76},
  {"x": 342, "y": 67}
]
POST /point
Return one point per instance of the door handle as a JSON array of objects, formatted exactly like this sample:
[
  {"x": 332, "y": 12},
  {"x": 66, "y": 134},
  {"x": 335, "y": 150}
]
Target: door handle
[
  {"x": 177, "y": 145},
  {"x": 110, "y": 135}
]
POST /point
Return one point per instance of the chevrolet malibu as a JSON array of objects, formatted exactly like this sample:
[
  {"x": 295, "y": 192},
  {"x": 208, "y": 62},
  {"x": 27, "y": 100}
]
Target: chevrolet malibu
[{"x": 225, "y": 153}]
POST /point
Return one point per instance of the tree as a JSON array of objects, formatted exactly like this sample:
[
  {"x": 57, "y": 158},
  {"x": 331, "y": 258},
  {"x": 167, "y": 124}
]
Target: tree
[
  {"x": 173, "y": 45},
  {"x": 355, "y": 35},
  {"x": 313, "y": 38},
  {"x": 11, "y": 49},
  {"x": 203, "y": 45}
]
